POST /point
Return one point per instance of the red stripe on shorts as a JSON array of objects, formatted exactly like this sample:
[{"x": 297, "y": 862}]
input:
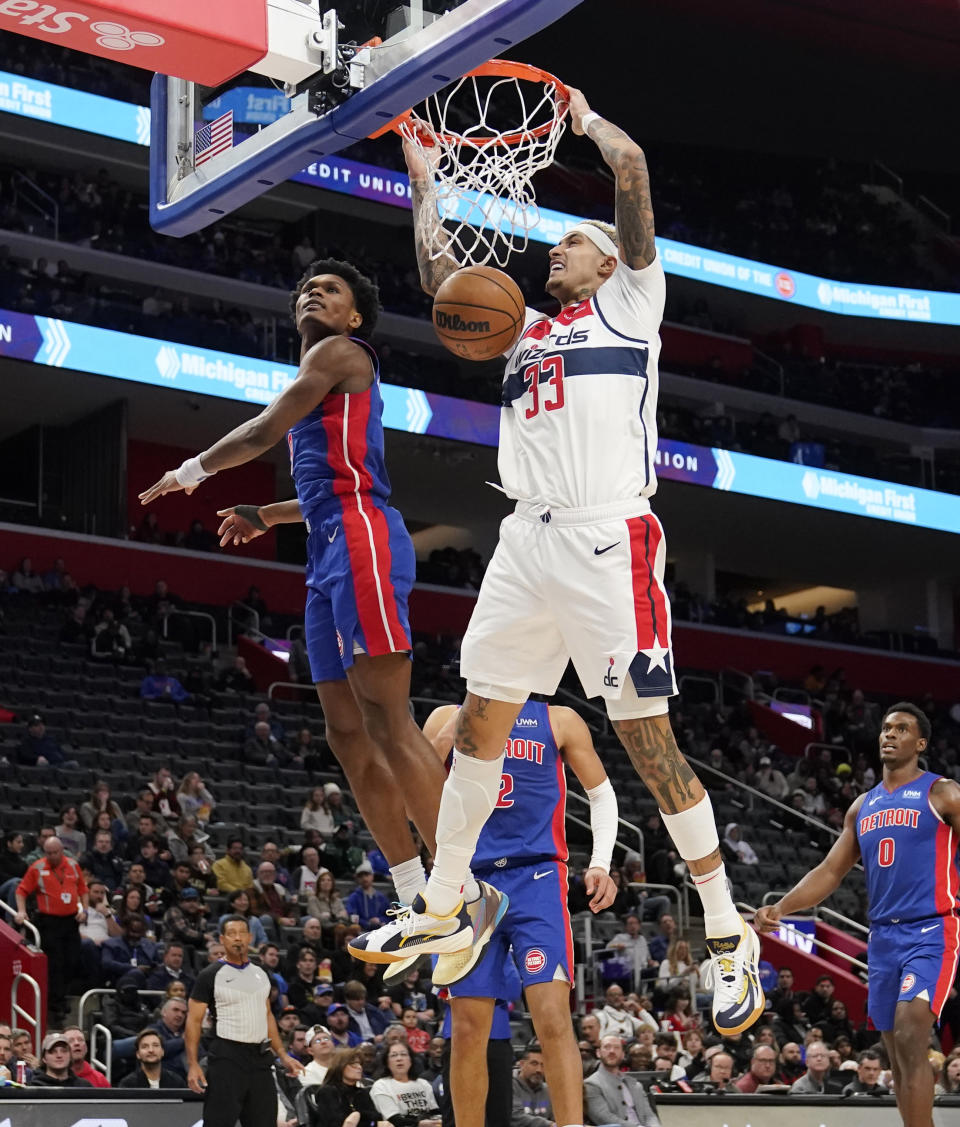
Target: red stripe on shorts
[
  {"x": 649, "y": 603},
  {"x": 948, "y": 968}
]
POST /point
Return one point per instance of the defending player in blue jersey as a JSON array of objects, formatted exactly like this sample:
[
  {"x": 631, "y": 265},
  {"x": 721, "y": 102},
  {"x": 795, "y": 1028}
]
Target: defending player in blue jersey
[
  {"x": 523, "y": 847},
  {"x": 906, "y": 830},
  {"x": 360, "y": 561}
]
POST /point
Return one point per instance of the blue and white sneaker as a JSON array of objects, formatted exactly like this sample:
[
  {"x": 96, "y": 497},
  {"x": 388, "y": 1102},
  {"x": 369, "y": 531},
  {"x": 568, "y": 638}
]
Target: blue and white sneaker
[
  {"x": 414, "y": 930},
  {"x": 734, "y": 975},
  {"x": 486, "y": 912}
]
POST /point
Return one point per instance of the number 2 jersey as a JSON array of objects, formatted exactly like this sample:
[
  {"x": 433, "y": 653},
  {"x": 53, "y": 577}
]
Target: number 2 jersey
[
  {"x": 527, "y": 823},
  {"x": 578, "y": 424},
  {"x": 909, "y": 854}
]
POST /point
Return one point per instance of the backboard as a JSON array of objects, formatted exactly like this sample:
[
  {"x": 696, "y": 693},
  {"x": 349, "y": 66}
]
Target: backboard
[{"x": 336, "y": 78}]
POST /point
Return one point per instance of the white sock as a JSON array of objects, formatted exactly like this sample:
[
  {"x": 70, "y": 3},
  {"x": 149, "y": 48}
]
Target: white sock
[
  {"x": 408, "y": 879},
  {"x": 471, "y": 890},
  {"x": 720, "y": 917},
  {"x": 469, "y": 796},
  {"x": 694, "y": 833}
]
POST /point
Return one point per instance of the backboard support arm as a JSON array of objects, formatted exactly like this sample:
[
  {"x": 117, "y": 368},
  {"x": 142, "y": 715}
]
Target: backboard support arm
[{"x": 396, "y": 75}]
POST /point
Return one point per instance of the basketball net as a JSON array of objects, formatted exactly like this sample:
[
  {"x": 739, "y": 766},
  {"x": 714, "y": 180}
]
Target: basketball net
[{"x": 493, "y": 130}]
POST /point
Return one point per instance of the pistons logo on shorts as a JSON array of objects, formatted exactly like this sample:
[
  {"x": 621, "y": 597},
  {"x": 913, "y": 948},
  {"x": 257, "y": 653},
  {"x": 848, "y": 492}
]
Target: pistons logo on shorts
[
  {"x": 909, "y": 981},
  {"x": 535, "y": 960},
  {"x": 340, "y": 643}
]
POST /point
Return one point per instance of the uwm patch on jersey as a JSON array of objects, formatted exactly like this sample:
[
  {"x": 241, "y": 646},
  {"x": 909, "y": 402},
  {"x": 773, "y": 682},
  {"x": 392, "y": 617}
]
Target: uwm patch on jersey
[{"x": 578, "y": 425}]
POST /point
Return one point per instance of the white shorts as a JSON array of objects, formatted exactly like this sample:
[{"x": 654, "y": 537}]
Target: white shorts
[{"x": 575, "y": 584}]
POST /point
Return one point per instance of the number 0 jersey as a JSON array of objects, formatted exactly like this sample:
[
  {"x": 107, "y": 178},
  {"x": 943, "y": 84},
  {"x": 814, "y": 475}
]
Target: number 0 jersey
[
  {"x": 578, "y": 425},
  {"x": 909, "y": 854}
]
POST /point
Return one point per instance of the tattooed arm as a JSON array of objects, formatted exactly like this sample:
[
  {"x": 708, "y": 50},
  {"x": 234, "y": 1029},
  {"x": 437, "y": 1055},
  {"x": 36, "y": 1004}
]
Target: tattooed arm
[
  {"x": 426, "y": 221},
  {"x": 634, "y": 209}
]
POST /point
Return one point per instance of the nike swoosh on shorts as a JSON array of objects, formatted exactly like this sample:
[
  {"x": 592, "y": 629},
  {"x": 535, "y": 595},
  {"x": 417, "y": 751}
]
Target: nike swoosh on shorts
[{"x": 537, "y": 876}]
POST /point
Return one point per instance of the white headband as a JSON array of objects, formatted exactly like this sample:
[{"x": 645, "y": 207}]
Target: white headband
[{"x": 600, "y": 239}]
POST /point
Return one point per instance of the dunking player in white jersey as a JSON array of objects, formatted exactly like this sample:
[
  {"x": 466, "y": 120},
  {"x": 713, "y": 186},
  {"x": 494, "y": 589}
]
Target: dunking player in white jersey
[{"x": 578, "y": 571}]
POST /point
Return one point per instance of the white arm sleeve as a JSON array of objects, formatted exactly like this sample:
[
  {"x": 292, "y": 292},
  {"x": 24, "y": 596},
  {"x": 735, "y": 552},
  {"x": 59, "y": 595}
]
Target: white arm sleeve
[{"x": 603, "y": 824}]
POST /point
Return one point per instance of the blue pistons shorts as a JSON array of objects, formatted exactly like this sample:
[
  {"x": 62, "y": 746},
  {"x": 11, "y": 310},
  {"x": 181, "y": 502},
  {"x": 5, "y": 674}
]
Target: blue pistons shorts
[
  {"x": 907, "y": 960},
  {"x": 360, "y": 569},
  {"x": 535, "y": 931}
]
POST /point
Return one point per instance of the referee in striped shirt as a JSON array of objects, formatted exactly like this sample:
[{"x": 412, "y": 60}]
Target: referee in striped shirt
[{"x": 239, "y": 1079}]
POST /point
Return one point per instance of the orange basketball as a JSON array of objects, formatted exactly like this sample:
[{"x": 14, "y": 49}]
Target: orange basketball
[{"x": 478, "y": 312}]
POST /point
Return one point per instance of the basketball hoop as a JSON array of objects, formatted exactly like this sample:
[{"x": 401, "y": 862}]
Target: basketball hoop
[{"x": 494, "y": 129}]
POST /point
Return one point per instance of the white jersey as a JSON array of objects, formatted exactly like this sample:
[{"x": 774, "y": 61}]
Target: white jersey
[{"x": 578, "y": 425}]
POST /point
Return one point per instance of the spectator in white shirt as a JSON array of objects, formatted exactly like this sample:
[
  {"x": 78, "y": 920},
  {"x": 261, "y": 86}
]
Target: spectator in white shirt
[
  {"x": 321, "y": 1048},
  {"x": 615, "y": 1018},
  {"x": 733, "y": 840},
  {"x": 399, "y": 1099}
]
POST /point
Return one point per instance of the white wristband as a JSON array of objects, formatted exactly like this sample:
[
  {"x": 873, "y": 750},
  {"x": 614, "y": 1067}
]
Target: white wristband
[
  {"x": 191, "y": 473},
  {"x": 603, "y": 824},
  {"x": 587, "y": 120}
]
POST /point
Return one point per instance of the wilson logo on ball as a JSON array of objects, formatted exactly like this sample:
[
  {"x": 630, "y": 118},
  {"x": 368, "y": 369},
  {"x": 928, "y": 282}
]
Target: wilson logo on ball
[{"x": 454, "y": 323}]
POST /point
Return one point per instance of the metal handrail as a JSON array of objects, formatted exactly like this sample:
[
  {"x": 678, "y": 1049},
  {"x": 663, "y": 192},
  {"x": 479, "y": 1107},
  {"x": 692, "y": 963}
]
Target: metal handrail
[
  {"x": 16, "y": 1010},
  {"x": 604, "y": 728},
  {"x": 290, "y": 629},
  {"x": 748, "y": 689},
  {"x": 26, "y": 923},
  {"x": 98, "y": 990},
  {"x": 584, "y": 801},
  {"x": 827, "y": 747},
  {"x": 693, "y": 678},
  {"x": 193, "y": 614},
  {"x": 852, "y": 959},
  {"x": 287, "y": 685},
  {"x": 239, "y": 603},
  {"x": 770, "y": 897},
  {"x": 54, "y": 215},
  {"x": 103, "y": 1064},
  {"x": 821, "y": 826}
]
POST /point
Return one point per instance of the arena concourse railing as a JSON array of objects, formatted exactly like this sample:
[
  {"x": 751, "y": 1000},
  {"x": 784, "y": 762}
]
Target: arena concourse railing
[
  {"x": 33, "y": 1020},
  {"x": 817, "y": 911},
  {"x": 193, "y": 614},
  {"x": 10, "y": 910},
  {"x": 819, "y": 943},
  {"x": 253, "y": 624}
]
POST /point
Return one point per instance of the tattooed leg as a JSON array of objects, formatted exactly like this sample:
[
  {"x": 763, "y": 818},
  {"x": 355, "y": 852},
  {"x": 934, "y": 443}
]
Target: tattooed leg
[
  {"x": 653, "y": 751},
  {"x": 483, "y": 726},
  {"x": 469, "y": 794}
]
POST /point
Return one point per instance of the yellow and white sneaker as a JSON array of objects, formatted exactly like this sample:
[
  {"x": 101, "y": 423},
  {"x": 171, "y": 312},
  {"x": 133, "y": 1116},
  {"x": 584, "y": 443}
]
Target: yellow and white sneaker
[
  {"x": 485, "y": 912},
  {"x": 735, "y": 978},
  {"x": 396, "y": 972},
  {"x": 414, "y": 930}
]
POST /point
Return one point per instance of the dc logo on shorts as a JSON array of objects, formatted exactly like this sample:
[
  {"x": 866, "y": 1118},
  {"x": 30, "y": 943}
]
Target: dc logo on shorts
[
  {"x": 340, "y": 643},
  {"x": 908, "y": 982},
  {"x": 535, "y": 960}
]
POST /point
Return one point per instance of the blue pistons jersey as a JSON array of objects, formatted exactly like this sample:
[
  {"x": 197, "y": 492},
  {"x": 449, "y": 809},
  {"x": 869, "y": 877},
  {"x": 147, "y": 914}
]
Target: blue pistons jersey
[
  {"x": 909, "y": 854},
  {"x": 337, "y": 449},
  {"x": 527, "y": 824}
]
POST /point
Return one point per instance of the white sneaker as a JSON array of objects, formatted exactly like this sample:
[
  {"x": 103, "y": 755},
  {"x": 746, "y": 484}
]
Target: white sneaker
[
  {"x": 396, "y": 972},
  {"x": 735, "y": 978},
  {"x": 486, "y": 912},
  {"x": 414, "y": 930}
]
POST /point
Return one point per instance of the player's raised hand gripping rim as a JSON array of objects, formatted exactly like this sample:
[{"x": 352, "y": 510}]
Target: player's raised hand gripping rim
[
  {"x": 418, "y": 158},
  {"x": 600, "y": 888},
  {"x": 578, "y": 109}
]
